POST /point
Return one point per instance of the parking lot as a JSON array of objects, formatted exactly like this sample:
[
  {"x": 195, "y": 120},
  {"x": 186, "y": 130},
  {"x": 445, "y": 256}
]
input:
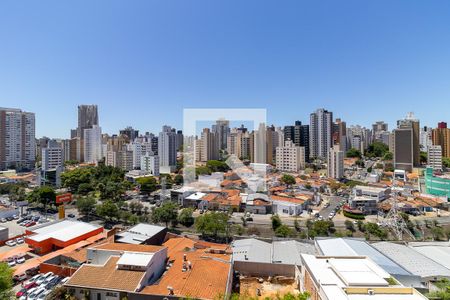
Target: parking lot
[{"x": 333, "y": 203}]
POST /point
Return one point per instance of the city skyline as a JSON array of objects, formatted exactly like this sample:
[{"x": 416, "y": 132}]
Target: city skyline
[{"x": 365, "y": 62}]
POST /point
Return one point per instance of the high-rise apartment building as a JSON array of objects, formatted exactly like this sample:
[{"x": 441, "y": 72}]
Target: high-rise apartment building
[
  {"x": 403, "y": 148},
  {"x": 411, "y": 122},
  {"x": 340, "y": 134},
  {"x": 434, "y": 156},
  {"x": 52, "y": 156},
  {"x": 320, "y": 133},
  {"x": 209, "y": 145},
  {"x": 299, "y": 135},
  {"x": 93, "y": 144},
  {"x": 335, "y": 163},
  {"x": 130, "y": 133},
  {"x": 150, "y": 163},
  {"x": 441, "y": 137},
  {"x": 221, "y": 129},
  {"x": 290, "y": 158},
  {"x": 87, "y": 118},
  {"x": 17, "y": 139},
  {"x": 167, "y": 150},
  {"x": 426, "y": 138}
]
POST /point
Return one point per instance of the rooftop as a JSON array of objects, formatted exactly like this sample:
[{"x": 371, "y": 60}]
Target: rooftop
[
  {"x": 64, "y": 230},
  {"x": 207, "y": 278},
  {"x": 139, "y": 233}
]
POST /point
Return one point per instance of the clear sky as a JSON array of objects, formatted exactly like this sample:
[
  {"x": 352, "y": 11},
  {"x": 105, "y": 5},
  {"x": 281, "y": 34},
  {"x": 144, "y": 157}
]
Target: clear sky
[{"x": 144, "y": 61}]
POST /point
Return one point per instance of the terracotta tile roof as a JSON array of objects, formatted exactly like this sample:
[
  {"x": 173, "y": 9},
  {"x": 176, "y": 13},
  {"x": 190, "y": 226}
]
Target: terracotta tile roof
[
  {"x": 129, "y": 247},
  {"x": 287, "y": 199},
  {"x": 106, "y": 277},
  {"x": 206, "y": 280},
  {"x": 210, "y": 197}
]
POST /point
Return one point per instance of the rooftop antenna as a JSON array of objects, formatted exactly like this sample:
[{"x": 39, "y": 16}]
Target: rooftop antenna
[{"x": 393, "y": 219}]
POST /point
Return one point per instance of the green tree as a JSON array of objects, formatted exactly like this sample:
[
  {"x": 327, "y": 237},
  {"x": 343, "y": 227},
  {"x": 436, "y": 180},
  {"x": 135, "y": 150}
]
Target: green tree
[
  {"x": 85, "y": 188},
  {"x": 217, "y": 166},
  {"x": 86, "y": 205},
  {"x": 6, "y": 281},
  {"x": 186, "y": 217},
  {"x": 166, "y": 213},
  {"x": 212, "y": 224},
  {"x": 276, "y": 222},
  {"x": 377, "y": 149},
  {"x": 323, "y": 228},
  {"x": 446, "y": 162},
  {"x": 352, "y": 153},
  {"x": 297, "y": 225},
  {"x": 178, "y": 179},
  {"x": 443, "y": 292},
  {"x": 147, "y": 184},
  {"x": 44, "y": 195},
  {"x": 388, "y": 156},
  {"x": 283, "y": 231},
  {"x": 202, "y": 170},
  {"x": 349, "y": 225},
  {"x": 108, "y": 210},
  {"x": 423, "y": 157},
  {"x": 288, "y": 179}
]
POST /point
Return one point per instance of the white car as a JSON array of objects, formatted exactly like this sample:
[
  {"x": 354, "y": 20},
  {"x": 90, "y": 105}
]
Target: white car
[
  {"x": 43, "y": 278},
  {"x": 20, "y": 241},
  {"x": 12, "y": 263},
  {"x": 33, "y": 279},
  {"x": 43, "y": 295},
  {"x": 36, "y": 293},
  {"x": 11, "y": 243},
  {"x": 20, "y": 260},
  {"x": 48, "y": 279},
  {"x": 64, "y": 280},
  {"x": 29, "y": 292}
]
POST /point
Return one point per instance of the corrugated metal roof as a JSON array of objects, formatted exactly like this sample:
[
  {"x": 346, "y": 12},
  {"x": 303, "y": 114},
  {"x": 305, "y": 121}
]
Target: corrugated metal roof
[{"x": 412, "y": 260}]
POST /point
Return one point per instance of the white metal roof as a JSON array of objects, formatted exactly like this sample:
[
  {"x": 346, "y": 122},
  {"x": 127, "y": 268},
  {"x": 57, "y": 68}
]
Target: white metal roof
[
  {"x": 411, "y": 260},
  {"x": 135, "y": 259},
  {"x": 65, "y": 230},
  {"x": 196, "y": 196},
  {"x": 439, "y": 254}
]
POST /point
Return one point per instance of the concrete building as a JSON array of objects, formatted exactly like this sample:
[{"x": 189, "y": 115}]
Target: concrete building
[
  {"x": 407, "y": 143},
  {"x": 299, "y": 135},
  {"x": 93, "y": 144},
  {"x": 221, "y": 131},
  {"x": 352, "y": 278},
  {"x": 17, "y": 139},
  {"x": 52, "y": 156},
  {"x": 426, "y": 138},
  {"x": 441, "y": 137},
  {"x": 209, "y": 145},
  {"x": 150, "y": 163},
  {"x": 130, "y": 133},
  {"x": 340, "y": 134},
  {"x": 167, "y": 150},
  {"x": 290, "y": 158},
  {"x": 335, "y": 163},
  {"x": 142, "y": 234},
  {"x": 87, "y": 118},
  {"x": 434, "y": 157},
  {"x": 320, "y": 133}
]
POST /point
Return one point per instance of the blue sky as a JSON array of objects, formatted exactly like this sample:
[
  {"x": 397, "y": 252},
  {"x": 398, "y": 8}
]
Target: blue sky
[{"x": 144, "y": 61}]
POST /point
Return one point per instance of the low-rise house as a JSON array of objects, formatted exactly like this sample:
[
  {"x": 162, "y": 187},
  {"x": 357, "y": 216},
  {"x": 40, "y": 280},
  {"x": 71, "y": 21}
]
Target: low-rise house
[
  {"x": 114, "y": 270},
  {"x": 288, "y": 206},
  {"x": 257, "y": 203}
]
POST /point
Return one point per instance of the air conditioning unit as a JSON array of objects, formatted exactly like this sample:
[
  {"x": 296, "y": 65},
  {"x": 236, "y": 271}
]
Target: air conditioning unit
[{"x": 371, "y": 292}]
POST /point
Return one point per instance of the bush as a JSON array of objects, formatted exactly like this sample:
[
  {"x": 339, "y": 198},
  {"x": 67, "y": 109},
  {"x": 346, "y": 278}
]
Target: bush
[{"x": 353, "y": 216}]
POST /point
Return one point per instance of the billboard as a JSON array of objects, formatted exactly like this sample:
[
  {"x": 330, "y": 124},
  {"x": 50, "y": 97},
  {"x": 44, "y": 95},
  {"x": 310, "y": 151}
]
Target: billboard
[{"x": 63, "y": 198}]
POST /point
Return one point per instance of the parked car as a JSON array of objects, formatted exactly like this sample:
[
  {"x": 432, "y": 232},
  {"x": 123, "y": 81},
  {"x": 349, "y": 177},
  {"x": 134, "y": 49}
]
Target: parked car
[
  {"x": 11, "y": 263},
  {"x": 21, "y": 293},
  {"x": 29, "y": 292},
  {"x": 20, "y": 278},
  {"x": 19, "y": 241},
  {"x": 30, "y": 285},
  {"x": 33, "y": 279},
  {"x": 20, "y": 260},
  {"x": 33, "y": 271},
  {"x": 15, "y": 217},
  {"x": 43, "y": 294},
  {"x": 3, "y": 220},
  {"x": 10, "y": 243},
  {"x": 43, "y": 278},
  {"x": 36, "y": 293},
  {"x": 9, "y": 219},
  {"x": 71, "y": 215},
  {"x": 64, "y": 280},
  {"x": 32, "y": 223}
]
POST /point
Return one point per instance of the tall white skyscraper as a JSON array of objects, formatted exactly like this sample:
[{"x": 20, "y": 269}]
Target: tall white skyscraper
[
  {"x": 167, "y": 150},
  {"x": 320, "y": 133},
  {"x": 17, "y": 139},
  {"x": 52, "y": 156},
  {"x": 93, "y": 144}
]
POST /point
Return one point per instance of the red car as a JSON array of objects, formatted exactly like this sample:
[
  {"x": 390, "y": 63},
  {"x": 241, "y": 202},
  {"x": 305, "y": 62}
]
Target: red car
[
  {"x": 30, "y": 224},
  {"x": 21, "y": 293},
  {"x": 30, "y": 285}
]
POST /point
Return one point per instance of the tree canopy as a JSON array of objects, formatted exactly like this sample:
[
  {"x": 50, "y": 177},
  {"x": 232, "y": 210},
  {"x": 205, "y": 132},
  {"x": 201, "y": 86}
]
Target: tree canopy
[
  {"x": 354, "y": 153},
  {"x": 6, "y": 281},
  {"x": 377, "y": 149},
  {"x": 217, "y": 166},
  {"x": 166, "y": 213},
  {"x": 186, "y": 217},
  {"x": 288, "y": 179},
  {"x": 212, "y": 223}
]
